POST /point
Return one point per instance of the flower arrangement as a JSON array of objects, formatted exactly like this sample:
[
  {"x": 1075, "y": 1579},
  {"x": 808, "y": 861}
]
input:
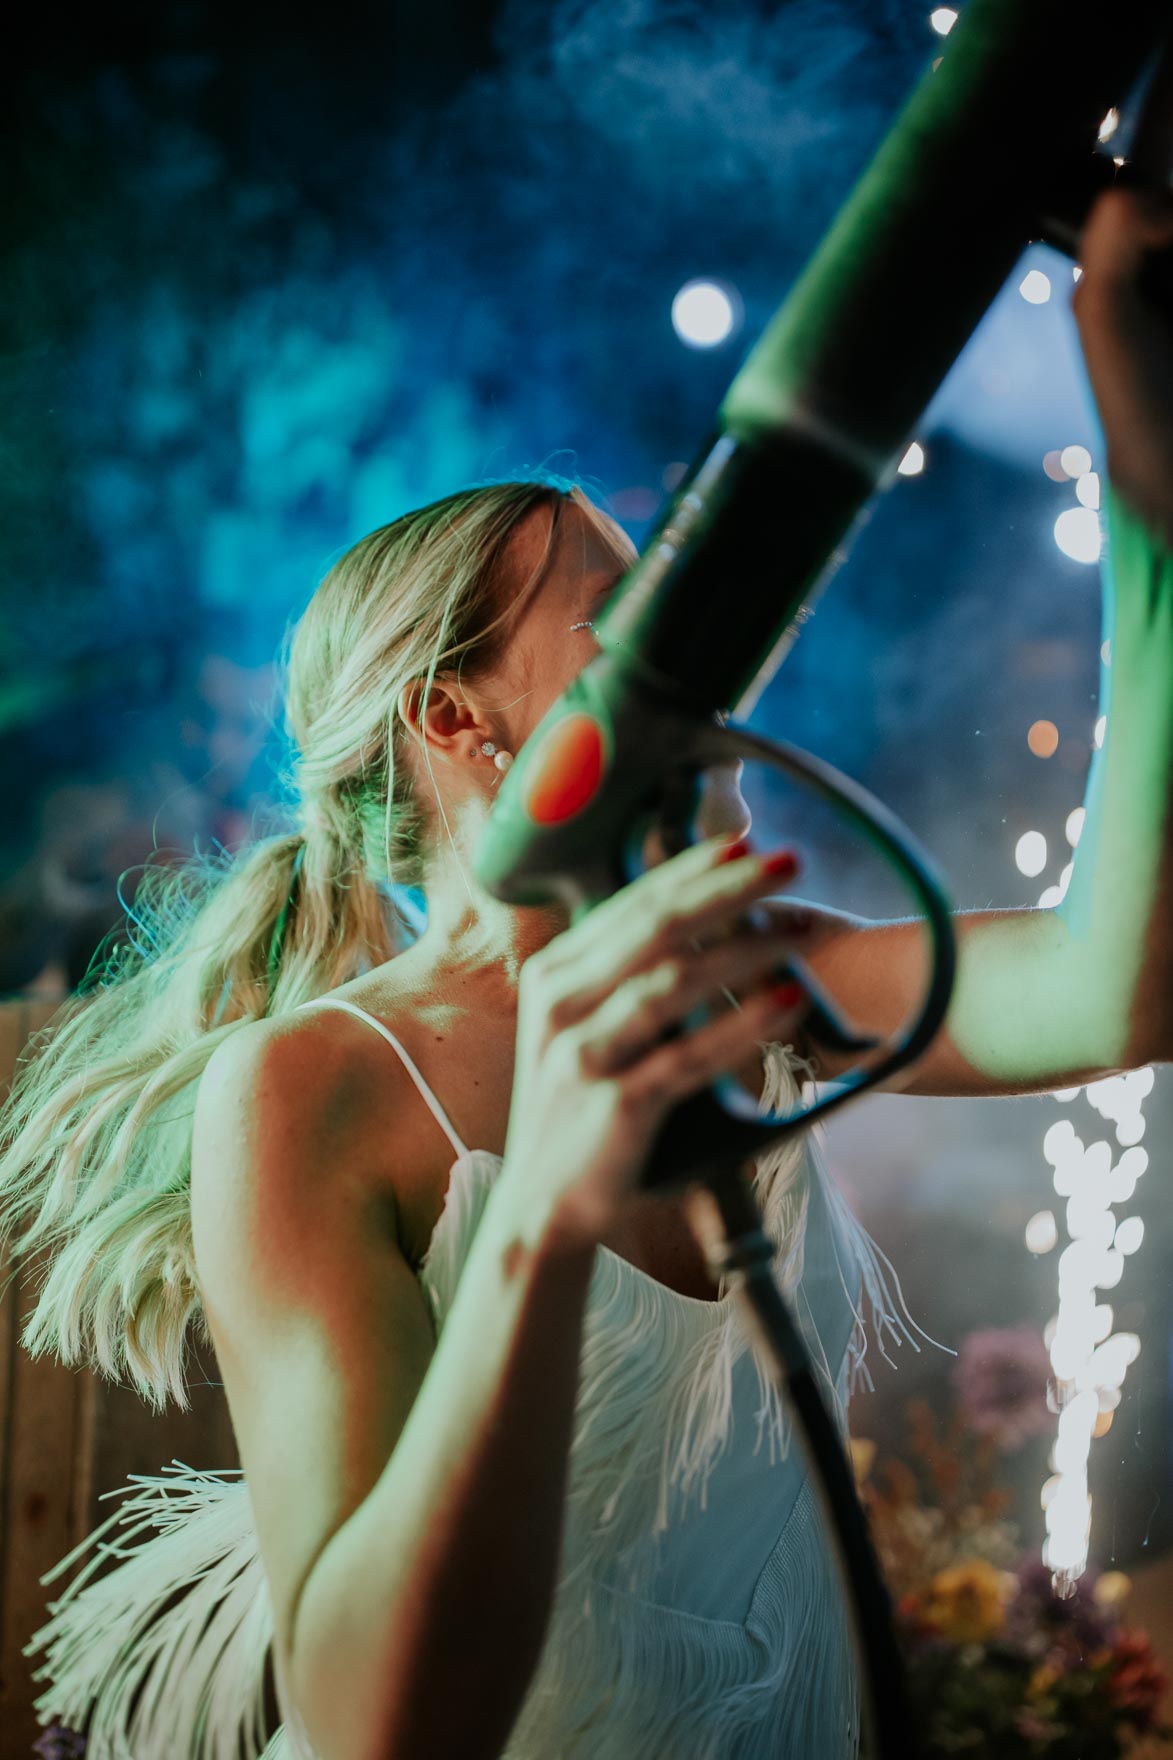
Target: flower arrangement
[{"x": 999, "y": 1666}]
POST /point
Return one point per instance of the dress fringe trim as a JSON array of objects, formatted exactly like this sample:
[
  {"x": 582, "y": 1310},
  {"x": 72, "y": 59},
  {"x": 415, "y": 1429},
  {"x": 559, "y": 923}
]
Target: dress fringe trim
[
  {"x": 162, "y": 1678},
  {"x": 166, "y": 1653}
]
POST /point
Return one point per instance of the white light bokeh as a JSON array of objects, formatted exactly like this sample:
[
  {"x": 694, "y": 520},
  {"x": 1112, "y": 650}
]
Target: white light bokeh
[
  {"x": 1077, "y": 533},
  {"x": 913, "y": 462},
  {"x": 1042, "y": 1232},
  {"x": 1087, "y": 490},
  {"x": 1076, "y": 460},
  {"x": 1035, "y": 287},
  {"x": 704, "y": 314},
  {"x": 1030, "y": 853},
  {"x": 943, "y": 19}
]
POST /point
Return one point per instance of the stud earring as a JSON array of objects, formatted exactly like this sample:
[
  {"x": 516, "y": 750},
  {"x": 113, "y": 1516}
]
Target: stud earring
[{"x": 501, "y": 760}]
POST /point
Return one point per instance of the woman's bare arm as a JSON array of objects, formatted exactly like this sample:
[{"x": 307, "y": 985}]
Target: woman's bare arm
[{"x": 408, "y": 1497}]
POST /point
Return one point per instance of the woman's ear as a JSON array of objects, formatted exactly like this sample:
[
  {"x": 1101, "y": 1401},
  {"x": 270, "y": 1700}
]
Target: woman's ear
[{"x": 445, "y": 721}]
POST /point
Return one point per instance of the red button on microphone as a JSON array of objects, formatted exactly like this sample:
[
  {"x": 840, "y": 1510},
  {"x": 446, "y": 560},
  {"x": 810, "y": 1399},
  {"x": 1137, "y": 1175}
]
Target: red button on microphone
[{"x": 567, "y": 769}]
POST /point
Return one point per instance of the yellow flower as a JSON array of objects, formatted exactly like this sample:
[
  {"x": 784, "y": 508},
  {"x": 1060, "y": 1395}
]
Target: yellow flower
[
  {"x": 1042, "y": 1680},
  {"x": 967, "y": 1601}
]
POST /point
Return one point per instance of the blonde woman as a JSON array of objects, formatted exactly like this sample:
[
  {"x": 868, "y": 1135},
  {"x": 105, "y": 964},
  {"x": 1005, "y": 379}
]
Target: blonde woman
[{"x": 514, "y": 1480}]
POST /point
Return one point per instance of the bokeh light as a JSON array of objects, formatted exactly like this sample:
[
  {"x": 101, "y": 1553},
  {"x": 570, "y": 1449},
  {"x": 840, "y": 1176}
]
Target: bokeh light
[
  {"x": 705, "y": 313},
  {"x": 1043, "y": 739},
  {"x": 1087, "y": 489},
  {"x": 1075, "y": 460},
  {"x": 1077, "y": 533},
  {"x": 1030, "y": 853},
  {"x": 1035, "y": 287},
  {"x": 1042, "y": 1232}
]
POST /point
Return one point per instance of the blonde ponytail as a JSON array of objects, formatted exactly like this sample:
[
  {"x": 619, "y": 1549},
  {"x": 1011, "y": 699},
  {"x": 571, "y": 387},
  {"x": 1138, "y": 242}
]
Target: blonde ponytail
[{"x": 95, "y": 1137}]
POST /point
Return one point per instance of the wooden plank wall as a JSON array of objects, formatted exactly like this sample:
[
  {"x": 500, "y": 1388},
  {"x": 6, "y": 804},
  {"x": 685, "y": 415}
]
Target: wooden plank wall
[{"x": 66, "y": 1436}]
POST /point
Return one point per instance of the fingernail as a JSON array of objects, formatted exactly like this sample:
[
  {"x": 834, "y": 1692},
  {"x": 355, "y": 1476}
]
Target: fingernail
[
  {"x": 734, "y": 851},
  {"x": 782, "y": 865},
  {"x": 786, "y": 996}
]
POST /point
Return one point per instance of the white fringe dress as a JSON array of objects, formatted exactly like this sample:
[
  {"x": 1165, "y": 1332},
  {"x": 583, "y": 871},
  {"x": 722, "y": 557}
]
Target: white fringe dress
[{"x": 697, "y": 1615}]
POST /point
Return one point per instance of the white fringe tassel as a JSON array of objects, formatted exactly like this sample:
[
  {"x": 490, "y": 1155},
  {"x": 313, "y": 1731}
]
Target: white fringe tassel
[{"x": 180, "y": 1682}]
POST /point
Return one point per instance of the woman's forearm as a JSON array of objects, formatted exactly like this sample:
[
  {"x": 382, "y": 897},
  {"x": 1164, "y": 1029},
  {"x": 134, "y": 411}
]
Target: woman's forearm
[
  {"x": 422, "y": 1622},
  {"x": 1118, "y": 910}
]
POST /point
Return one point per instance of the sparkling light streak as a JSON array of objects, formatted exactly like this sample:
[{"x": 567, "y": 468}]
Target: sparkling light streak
[{"x": 1089, "y": 1361}]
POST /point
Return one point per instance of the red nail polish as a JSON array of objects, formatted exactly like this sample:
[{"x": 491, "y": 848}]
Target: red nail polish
[
  {"x": 734, "y": 851},
  {"x": 786, "y": 996},
  {"x": 782, "y": 865}
]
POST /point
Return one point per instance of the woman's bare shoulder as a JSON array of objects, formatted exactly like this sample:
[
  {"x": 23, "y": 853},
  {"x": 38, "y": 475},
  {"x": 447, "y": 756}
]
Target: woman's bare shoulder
[{"x": 305, "y": 1089}]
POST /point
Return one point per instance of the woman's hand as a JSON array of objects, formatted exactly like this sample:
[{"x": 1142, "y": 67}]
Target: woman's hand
[
  {"x": 1127, "y": 342},
  {"x": 598, "y": 1064}
]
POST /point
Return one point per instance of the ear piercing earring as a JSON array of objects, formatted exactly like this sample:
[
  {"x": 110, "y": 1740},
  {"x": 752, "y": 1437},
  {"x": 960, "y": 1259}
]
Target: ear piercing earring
[{"x": 501, "y": 760}]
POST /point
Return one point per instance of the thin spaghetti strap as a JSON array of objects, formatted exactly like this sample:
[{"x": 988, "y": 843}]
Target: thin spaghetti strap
[{"x": 438, "y": 1112}]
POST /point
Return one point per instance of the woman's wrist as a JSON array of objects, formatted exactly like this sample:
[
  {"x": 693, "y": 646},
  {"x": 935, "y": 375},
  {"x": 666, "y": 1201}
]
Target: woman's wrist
[{"x": 543, "y": 1222}]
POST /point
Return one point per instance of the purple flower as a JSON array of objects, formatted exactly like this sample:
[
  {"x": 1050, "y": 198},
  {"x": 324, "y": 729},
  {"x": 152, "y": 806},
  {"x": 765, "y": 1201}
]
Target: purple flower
[
  {"x": 1077, "y": 1625},
  {"x": 59, "y": 1743},
  {"x": 1001, "y": 1380}
]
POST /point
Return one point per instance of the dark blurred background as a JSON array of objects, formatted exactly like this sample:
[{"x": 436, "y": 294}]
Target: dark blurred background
[{"x": 274, "y": 275}]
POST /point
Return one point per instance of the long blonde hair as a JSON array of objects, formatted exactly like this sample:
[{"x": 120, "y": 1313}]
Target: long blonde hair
[{"x": 95, "y": 1138}]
